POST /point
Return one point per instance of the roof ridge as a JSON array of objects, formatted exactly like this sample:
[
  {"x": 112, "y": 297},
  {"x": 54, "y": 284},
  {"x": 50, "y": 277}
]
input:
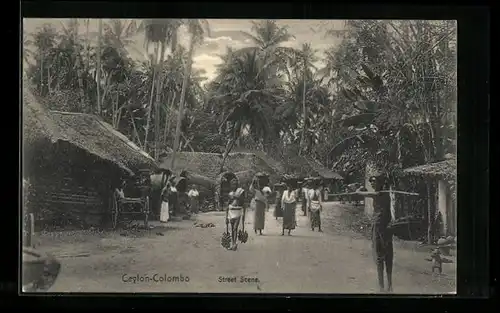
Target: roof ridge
[
  {"x": 130, "y": 145},
  {"x": 71, "y": 113}
]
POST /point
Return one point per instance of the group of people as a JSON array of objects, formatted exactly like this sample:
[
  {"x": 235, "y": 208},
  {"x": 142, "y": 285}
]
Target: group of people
[
  {"x": 173, "y": 202},
  {"x": 286, "y": 203},
  {"x": 311, "y": 201}
]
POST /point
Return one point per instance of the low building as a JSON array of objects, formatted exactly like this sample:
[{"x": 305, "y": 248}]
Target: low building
[
  {"x": 207, "y": 165},
  {"x": 442, "y": 175},
  {"x": 74, "y": 162}
]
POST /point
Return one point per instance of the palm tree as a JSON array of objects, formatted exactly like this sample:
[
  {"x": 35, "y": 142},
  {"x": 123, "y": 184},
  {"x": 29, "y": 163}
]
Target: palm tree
[
  {"x": 117, "y": 37},
  {"x": 197, "y": 29},
  {"x": 248, "y": 89},
  {"x": 27, "y": 52},
  {"x": 120, "y": 34},
  {"x": 306, "y": 60},
  {"x": 98, "y": 78},
  {"x": 161, "y": 33},
  {"x": 44, "y": 40},
  {"x": 267, "y": 39}
]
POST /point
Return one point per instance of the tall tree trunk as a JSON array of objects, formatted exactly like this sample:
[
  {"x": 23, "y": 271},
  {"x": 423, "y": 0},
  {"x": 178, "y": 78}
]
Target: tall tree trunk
[
  {"x": 135, "y": 128},
  {"x": 399, "y": 151},
  {"x": 430, "y": 215},
  {"x": 79, "y": 74},
  {"x": 41, "y": 73},
  {"x": 98, "y": 78},
  {"x": 229, "y": 147},
  {"x": 304, "y": 110},
  {"x": 165, "y": 130},
  {"x": 49, "y": 80},
  {"x": 151, "y": 99},
  {"x": 159, "y": 88},
  {"x": 185, "y": 81},
  {"x": 87, "y": 63}
]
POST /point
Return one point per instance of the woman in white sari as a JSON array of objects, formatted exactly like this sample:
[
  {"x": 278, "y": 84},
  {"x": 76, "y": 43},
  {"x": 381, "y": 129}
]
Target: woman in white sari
[
  {"x": 288, "y": 203},
  {"x": 165, "y": 208}
]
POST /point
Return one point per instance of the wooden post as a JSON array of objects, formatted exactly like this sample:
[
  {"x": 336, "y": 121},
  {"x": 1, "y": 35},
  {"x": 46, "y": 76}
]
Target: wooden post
[
  {"x": 29, "y": 231},
  {"x": 429, "y": 214}
]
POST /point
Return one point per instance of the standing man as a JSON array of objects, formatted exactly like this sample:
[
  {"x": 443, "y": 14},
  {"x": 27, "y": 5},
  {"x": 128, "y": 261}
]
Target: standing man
[
  {"x": 235, "y": 211},
  {"x": 314, "y": 205},
  {"x": 304, "y": 194},
  {"x": 382, "y": 244}
]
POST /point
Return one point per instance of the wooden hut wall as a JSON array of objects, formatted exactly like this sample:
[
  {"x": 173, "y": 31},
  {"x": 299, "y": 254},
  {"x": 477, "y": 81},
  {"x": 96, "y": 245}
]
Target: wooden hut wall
[{"x": 71, "y": 186}]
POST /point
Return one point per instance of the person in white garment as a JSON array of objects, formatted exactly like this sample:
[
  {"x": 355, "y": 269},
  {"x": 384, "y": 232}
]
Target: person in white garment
[
  {"x": 166, "y": 197},
  {"x": 235, "y": 212},
  {"x": 314, "y": 205},
  {"x": 193, "y": 195},
  {"x": 288, "y": 203}
]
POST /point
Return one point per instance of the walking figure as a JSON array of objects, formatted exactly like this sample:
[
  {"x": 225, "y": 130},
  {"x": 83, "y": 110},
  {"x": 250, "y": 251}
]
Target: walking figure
[
  {"x": 289, "y": 204},
  {"x": 437, "y": 261},
  {"x": 278, "y": 208},
  {"x": 304, "y": 194},
  {"x": 315, "y": 206},
  {"x": 382, "y": 244},
  {"x": 260, "y": 200},
  {"x": 235, "y": 211}
]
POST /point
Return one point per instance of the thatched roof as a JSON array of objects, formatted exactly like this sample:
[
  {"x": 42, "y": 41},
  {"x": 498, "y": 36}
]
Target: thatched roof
[
  {"x": 445, "y": 170},
  {"x": 36, "y": 121},
  {"x": 300, "y": 166},
  {"x": 438, "y": 169},
  {"x": 85, "y": 131},
  {"x": 319, "y": 170},
  {"x": 97, "y": 137},
  {"x": 208, "y": 164}
]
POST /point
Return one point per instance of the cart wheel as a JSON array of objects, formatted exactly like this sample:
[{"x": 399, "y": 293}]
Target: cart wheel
[
  {"x": 114, "y": 217},
  {"x": 146, "y": 213}
]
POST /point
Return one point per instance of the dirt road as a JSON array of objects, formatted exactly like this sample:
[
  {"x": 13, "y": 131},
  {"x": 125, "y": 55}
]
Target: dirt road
[{"x": 185, "y": 258}]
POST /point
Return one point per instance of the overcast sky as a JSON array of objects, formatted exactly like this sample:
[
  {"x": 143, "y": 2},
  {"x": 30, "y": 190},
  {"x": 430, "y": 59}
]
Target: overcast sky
[{"x": 225, "y": 33}]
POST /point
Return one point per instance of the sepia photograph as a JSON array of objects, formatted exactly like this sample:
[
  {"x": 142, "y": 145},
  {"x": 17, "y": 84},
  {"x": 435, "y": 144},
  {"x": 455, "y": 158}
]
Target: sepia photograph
[{"x": 239, "y": 156}]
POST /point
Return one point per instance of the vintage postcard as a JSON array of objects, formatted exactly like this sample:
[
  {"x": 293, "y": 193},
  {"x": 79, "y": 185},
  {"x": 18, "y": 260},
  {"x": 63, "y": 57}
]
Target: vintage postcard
[{"x": 239, "y": 156}]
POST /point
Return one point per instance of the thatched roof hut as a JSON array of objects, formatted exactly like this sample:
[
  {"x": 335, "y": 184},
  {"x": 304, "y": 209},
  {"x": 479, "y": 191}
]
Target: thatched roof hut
[
  {"x": 300, "y": 166},
  {"x": 208, "y": 164},
  {"x": 317, "y": 169},
  {"x": 74, "y": 162},
  {"x": 38, "y": 127},
  {"x": 97, "y": 137},
  {"x": 445, "y": 170},
  {"x": 85, "y": 131}
]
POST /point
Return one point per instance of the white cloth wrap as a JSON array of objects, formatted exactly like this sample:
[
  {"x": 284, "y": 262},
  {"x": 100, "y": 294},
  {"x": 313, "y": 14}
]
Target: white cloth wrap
[
  {"x": 234, "y": 212},
  {"x": 164, "y": 214}
]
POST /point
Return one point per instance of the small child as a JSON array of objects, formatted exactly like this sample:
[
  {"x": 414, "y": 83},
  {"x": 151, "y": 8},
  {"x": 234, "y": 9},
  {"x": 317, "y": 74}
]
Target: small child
[{"x": 437, "y": 261}]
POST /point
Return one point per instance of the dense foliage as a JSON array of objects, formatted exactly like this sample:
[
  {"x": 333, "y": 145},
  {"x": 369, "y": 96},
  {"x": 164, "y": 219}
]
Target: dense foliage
[{"x": 387, "y": 93}]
